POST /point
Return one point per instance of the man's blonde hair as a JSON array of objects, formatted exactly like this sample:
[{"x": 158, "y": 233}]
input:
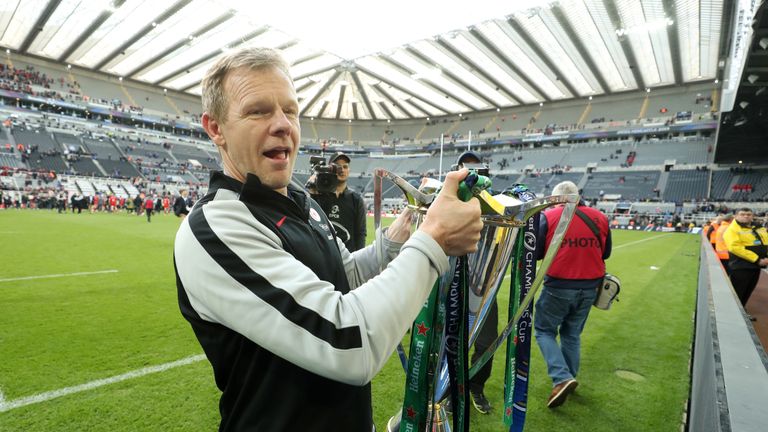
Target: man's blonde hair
[{"x": 214, "y": 97}]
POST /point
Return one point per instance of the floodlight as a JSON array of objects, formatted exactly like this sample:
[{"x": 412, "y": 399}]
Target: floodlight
[
  {"x": 763, "y": 43},
  {"x": 752, "y": 78}
]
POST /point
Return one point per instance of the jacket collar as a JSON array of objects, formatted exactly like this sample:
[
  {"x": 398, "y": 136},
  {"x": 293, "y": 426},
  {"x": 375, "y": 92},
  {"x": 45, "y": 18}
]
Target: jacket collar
[{"x": 254, "y": 192}]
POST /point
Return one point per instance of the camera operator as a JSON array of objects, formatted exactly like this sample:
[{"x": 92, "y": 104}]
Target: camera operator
[
  {"x": 489, "y": 332},
  {"x": 345, "y": 208}
]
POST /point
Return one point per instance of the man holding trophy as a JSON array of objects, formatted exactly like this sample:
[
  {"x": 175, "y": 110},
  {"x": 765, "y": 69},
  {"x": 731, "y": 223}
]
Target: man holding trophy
[{"x": 294, "y": 325}]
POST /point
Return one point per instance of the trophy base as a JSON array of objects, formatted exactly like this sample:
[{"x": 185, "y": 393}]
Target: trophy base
[{"x": 440, "y": 423}]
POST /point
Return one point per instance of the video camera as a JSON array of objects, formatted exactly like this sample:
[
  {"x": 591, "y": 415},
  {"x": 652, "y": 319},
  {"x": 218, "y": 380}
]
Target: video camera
[
  {"x": 323, "y": 178},
  {"x": 479, "y": 168}
]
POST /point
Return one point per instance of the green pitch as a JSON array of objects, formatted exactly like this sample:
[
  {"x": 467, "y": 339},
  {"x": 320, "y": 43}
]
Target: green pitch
[{"x": 99, "y": 351}]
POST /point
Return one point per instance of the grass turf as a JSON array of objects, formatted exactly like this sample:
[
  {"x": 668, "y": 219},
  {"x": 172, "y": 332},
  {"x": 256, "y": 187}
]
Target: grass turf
[{"x": 63, "y": 332}]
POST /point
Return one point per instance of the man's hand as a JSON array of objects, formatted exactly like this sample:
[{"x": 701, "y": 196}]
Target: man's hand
[
  {"x": 763, "y": 262},
  {"x": 400, "y": 229},
  {"x": 455, "y": 225}
]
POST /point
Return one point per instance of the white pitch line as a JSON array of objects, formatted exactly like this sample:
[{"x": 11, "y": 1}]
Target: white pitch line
[
  {"x": 625, "y": 244},
  {"x": 46, "y": 396},
  {"x": 640, "y": 241},
  {"x": 58, "y": 275}
]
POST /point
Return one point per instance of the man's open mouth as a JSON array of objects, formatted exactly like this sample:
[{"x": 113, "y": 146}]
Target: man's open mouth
[{"x": 279, "y": 154}]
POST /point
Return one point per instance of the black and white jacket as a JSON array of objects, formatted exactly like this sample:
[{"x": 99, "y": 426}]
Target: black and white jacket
[{"x": 294, "y": 325}]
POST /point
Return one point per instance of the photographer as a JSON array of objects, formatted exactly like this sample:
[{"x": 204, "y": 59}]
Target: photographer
[
  {"x": 345, "y": 208},
  {"x": 570, "y": 288}
]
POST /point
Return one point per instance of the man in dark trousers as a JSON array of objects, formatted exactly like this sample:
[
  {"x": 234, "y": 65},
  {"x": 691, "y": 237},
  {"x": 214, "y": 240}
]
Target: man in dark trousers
[
  {"x": 137, "y": 202},
  {"x": 570, "y": 288},
  {"x": 748, "y": 252},
  {"x": 149, "y": 206},
  {"x": 345, "y": 208},
  {"x": 180, "y": 207},
  {"x": 488, "y": 333}
]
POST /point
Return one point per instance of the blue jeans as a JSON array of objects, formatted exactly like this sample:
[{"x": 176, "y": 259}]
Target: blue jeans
[{"x": 562, "y": 311}]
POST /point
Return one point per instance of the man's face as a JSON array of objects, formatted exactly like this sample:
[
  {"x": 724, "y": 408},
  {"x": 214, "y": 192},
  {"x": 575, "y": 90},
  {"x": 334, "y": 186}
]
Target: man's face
[
  {"x": 469, "y": 160},
  {"x": 261, "y": 132},
  {"x": 744, "y": 217},
  {"x": 344, "y": 174}
]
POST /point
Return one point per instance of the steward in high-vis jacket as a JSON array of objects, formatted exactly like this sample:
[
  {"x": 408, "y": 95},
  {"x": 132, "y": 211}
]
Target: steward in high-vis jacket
[
  {"x": 711, "y": 231},
  {"x": 747, "y": 249},
  {"x": 720, "y": 247}
]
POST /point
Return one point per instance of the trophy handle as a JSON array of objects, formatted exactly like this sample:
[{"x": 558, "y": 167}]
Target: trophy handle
[{"x": 413, "y": 195}]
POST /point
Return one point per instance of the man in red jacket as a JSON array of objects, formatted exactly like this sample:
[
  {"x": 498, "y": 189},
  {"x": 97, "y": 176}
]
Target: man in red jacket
[
  {"x": 570, "y": 288},
  {"x": 149, "y": 206}
]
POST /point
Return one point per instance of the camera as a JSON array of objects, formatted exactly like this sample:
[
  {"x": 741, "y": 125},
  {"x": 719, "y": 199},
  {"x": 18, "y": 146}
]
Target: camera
[
  {"x": 323, "y": 178},
  {"x": 479, "y": 168}
]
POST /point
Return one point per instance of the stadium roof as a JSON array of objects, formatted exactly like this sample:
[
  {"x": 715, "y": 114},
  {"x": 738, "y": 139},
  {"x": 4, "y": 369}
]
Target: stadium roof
[{"x": 436, "y": 59}]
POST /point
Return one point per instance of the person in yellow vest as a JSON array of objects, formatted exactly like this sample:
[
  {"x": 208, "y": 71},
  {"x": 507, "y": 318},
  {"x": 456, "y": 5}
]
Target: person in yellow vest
[
  {"x": 720, "y": 247},
  {"x": 711, "y": 232},
  {"x": 748, "y": 250}
]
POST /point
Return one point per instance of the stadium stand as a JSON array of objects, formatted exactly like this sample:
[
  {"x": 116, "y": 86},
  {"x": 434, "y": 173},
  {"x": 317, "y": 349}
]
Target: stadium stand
[
  {"x": 721, "y": 184},
  {"x": 610, "y": 110},
  {"x": 686, "y": 184},
  {"x": 685, "y": 151},
  {"x": 634, "y": 185},
  {"x": 85, "y": 166},
  {"x": 520, "y": 144},
  {"x": 102, "y": 149},
  {"x": 36, "y": 137},
  {"x": 611, "y": 154}
]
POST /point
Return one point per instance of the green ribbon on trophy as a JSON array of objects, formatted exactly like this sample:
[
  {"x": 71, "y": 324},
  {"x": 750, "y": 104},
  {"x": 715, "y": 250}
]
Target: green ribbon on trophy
[
  {"x": 456, "y": 346},
  {"x": 519, "y": 348},
  {"x": 421, "y": 364},
  {"x": 425, "y": 348}
]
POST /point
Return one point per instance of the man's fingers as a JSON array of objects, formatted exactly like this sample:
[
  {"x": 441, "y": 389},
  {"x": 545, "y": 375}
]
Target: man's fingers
[{"x": 451, "y": 183}]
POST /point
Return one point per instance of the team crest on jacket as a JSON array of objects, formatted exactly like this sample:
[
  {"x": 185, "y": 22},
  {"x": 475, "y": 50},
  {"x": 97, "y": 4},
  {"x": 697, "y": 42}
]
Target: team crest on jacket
[{"x": 314, "y": 214}]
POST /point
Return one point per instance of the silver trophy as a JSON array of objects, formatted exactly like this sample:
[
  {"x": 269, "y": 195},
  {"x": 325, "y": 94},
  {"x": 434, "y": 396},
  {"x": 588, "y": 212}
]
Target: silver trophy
[{"x": 502, "y": 217}]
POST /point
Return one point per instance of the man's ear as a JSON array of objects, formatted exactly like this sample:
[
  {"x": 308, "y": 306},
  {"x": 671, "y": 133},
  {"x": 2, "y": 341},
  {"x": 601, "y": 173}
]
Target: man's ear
[{"x": 213, "y": 128}]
